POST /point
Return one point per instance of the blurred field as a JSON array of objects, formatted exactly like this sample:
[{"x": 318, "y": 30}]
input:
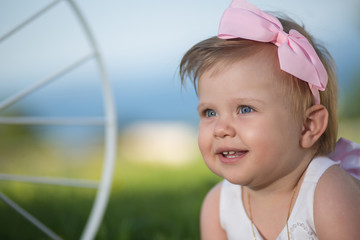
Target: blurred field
[
  {"x": 350, "y": 129},
  {"x": 148, "y": 201}
]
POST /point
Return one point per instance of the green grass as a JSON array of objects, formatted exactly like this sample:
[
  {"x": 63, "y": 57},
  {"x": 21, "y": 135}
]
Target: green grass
[
  {"x": 147, "y": 202},
  {"x": 157, "y": 202},
  {"x": 350, "y": 129}
]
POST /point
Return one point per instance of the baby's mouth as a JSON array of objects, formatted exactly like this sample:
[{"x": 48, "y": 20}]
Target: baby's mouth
[{"x": 233, "y": 154}]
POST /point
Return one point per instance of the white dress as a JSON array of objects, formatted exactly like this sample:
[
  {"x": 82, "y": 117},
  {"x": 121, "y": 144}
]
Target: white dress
[{"x": 237, "y": 224}]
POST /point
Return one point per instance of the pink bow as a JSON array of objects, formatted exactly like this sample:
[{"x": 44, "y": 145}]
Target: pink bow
[
  {"x": 296, "y": 55},
  {"x": 348, "y": 154}
]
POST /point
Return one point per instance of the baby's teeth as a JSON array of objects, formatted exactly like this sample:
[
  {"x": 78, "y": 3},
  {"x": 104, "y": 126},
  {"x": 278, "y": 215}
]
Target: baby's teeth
[{"x": 229, "y": 154}]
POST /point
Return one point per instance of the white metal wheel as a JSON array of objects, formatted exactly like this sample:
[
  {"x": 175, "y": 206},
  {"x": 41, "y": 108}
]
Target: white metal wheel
[{"x": 108, "y": 121}]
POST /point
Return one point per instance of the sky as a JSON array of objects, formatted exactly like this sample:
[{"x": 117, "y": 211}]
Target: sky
[
  {"x": 134, "y": 32},
  {"x": 142, "y": 43}
]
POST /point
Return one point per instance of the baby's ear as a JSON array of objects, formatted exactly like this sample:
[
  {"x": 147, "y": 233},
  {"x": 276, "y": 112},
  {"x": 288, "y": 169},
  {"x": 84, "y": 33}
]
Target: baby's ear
[{"x": 315, "y": 123}]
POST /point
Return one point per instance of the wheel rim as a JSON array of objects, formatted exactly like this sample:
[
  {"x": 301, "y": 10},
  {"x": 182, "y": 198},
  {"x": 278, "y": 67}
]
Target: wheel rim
[{"x": 108, "y": 121}]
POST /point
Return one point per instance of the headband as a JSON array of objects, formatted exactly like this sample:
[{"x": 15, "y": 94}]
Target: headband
[{"x": 296, "y": 54}]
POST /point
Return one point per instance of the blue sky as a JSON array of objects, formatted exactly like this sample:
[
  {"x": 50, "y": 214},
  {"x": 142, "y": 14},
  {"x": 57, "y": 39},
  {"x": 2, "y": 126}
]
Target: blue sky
[
  {"x": 148, "y": 34},
  {"x": 142, "y": 43},
  {"x": 153, "y": 34}
]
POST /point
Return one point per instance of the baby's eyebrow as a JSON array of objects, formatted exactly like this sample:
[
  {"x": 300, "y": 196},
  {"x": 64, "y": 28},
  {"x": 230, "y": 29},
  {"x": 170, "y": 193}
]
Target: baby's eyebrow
[
  {"x": 249, "y": 100},
  {"x": 201, "y": 106},
  {"x": 236, "y": 100}
]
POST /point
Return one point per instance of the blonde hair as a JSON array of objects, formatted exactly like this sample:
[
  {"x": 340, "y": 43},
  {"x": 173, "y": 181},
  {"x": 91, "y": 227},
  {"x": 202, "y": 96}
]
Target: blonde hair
[{"x": 213, "y": 51}]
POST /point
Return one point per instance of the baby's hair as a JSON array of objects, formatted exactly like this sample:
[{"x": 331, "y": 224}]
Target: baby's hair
[{"x": 215, "y": 54}]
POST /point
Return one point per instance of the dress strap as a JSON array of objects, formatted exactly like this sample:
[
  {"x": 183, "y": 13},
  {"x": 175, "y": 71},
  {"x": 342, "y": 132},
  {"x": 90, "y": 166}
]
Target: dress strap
[{"x": 317, "y": 167}]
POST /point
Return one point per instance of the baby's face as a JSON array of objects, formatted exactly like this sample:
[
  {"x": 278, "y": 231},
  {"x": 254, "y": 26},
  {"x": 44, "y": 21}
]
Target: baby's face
[{"x": 247, "y": 132}]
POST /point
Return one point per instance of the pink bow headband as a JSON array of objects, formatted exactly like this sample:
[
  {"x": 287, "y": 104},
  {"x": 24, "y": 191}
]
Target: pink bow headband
[{"x": 296, "y": 55}]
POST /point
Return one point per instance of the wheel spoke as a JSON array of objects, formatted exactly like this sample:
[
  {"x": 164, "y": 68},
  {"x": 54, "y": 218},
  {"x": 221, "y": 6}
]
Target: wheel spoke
[
  {"x": 29, "y": 20},
  {"x": 91, "y": 121},
  {"x": 50, "y": 180},
  {"x": 29, "y": 217},
  {"x": 25, "y": 92}
]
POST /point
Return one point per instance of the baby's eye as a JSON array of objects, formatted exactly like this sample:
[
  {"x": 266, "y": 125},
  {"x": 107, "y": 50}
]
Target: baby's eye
[
  {"x": 210, "y": 113},
  {"x": 245, "y": 109}
]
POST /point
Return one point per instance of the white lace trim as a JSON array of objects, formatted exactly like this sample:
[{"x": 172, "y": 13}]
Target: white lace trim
[{"x": 301, "y": 231}]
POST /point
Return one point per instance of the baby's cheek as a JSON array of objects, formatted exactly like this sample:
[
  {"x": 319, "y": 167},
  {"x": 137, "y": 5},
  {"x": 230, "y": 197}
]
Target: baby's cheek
[
  {"x": 254, "y": 133},
  {"x": 204, "y": 137}
]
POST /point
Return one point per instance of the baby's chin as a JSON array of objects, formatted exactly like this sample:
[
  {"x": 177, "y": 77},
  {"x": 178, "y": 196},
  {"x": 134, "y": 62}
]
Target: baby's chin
[
  {"x": 234, "y": 178},
  {"x": 237, "y": 181}
]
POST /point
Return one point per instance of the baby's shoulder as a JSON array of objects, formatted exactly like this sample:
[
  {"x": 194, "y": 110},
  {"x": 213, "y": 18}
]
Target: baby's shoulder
[
  {"x": 337, "y": 184},
  {"x": 337, "y": 205},
  {"x": 210, "y": 226}
]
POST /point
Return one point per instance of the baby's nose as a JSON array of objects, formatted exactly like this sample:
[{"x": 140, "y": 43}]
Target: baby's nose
[{"x": 224, "y": 128}]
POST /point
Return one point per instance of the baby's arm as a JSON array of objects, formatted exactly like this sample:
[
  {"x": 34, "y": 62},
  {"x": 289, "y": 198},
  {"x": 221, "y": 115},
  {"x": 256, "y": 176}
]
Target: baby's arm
[
  {"x": 337, "y": 206},
  {"x": 209, "y": 218}
]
